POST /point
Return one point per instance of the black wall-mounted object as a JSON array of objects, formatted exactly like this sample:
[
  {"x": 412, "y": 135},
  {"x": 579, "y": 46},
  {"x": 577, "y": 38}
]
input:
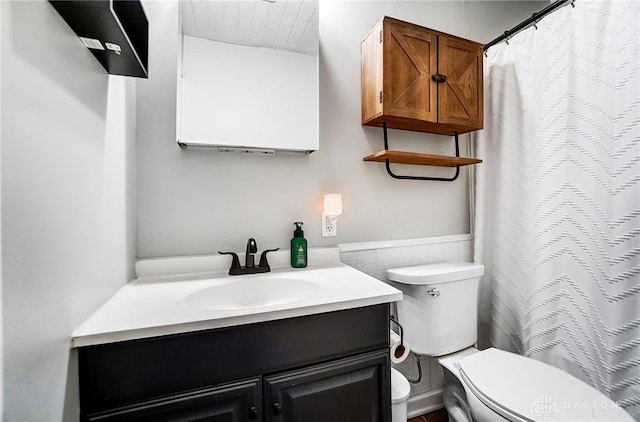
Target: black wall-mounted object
[{"x": 115, "y": 31}]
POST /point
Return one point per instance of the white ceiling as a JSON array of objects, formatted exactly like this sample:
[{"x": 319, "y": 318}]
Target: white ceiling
[{"x": 283, "y": 24}]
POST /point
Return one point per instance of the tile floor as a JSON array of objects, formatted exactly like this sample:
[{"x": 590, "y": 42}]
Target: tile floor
[{"x": 439, "y": 415}]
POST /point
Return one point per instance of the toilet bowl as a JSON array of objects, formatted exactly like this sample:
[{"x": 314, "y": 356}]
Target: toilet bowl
[
  {"x": 504, "y": 386},
  {"x": 400, "y": 390},
  {"x": 439, "y": 316}
]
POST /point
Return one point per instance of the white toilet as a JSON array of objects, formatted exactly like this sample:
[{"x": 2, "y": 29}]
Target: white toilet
[{"x": 439, "y": 316}]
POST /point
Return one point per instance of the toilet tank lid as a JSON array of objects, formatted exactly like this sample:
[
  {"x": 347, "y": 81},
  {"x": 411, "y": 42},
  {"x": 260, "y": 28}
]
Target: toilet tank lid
[
  {"x": 435, "y": 273},
  {"x": 522, "y": 388}
]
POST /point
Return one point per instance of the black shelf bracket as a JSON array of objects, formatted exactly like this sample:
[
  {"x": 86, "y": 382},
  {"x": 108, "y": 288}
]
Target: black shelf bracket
[{"x": 437, "y": 179}]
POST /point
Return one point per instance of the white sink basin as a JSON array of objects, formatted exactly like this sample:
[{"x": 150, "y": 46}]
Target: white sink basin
[{"x": 250, "y": 293}]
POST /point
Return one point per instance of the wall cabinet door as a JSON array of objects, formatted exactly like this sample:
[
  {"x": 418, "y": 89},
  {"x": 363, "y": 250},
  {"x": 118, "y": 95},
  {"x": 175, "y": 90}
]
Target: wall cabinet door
[
  {"x": 410, "y": 58},
  {"x": 415, "y": 78},
  {"x": 231, "y": 95},
  {"x": 350, "y": 390},
  {"x": 233, "y": 402},
  {"x": 460, "y": 96}
]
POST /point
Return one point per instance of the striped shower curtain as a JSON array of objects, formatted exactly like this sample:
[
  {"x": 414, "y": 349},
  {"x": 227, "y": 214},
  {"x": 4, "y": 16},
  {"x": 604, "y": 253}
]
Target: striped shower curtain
[{"x": 557, "y": 216}]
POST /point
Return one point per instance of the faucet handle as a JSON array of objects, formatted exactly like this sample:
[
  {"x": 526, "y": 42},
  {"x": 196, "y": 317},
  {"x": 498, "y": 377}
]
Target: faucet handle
[
  {"x": 235, "y": 263},
  {"x": 263, "y": 258}
]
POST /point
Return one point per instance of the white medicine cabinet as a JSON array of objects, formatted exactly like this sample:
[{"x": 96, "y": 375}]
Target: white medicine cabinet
[{"x": 248, "y": 76}]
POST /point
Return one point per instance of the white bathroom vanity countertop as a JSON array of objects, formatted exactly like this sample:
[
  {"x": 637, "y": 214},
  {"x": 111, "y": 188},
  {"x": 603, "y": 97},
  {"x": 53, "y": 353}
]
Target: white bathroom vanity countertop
[{"x": 155, "y": 303}]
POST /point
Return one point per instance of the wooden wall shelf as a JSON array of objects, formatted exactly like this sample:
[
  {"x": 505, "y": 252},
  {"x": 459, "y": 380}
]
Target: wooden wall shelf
[{"x": 404, "y": 157}]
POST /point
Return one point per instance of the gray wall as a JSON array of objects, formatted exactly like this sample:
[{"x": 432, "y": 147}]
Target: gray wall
[
  {"x": 198, "y": 201},
  {"x": 68, "y": 203}
]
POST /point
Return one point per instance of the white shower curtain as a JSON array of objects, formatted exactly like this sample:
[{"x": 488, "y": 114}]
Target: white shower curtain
[{"x": 558, "y": 196}]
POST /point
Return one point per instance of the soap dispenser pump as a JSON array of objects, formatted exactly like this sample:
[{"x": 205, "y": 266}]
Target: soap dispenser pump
[{"x": 298, "y": 247}]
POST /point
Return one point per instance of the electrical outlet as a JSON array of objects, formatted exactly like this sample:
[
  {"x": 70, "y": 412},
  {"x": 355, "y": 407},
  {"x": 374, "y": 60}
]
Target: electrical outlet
[{"x": 329, "y": 225}]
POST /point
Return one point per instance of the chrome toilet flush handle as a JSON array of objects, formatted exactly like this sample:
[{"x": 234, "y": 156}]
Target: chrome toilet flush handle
[{"x": 434, "y": 292}]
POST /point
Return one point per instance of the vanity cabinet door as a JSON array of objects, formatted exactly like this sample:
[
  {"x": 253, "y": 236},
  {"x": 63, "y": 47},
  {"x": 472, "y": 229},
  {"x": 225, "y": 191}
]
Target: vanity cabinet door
[
  {"x": 349, "y": 390},
  {"x": 233, "y": 402}
]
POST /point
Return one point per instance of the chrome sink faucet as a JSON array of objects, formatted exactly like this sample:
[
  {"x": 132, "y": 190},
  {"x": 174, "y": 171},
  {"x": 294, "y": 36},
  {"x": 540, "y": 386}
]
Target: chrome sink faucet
[{"x": 249, "y": 261}]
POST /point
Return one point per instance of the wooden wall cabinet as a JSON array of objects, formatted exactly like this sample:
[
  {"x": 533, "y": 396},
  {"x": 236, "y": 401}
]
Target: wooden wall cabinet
[{"x": 418, "y": 79}]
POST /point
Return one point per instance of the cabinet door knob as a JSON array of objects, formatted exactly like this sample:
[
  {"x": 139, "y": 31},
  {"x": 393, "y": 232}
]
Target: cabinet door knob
[
  {"x": 253, "y": 412},
  {"x": 439, "y": 77},
  {"x": 277, "y": 408}
]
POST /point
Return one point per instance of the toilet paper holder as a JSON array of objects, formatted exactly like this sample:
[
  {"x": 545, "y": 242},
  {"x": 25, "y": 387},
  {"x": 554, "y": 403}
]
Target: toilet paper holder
[{"x": 393, "y": 320}]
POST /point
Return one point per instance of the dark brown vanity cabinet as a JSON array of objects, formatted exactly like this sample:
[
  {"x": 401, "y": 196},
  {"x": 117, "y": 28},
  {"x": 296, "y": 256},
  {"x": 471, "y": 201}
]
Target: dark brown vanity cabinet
[{"x": 326, "y": 367}]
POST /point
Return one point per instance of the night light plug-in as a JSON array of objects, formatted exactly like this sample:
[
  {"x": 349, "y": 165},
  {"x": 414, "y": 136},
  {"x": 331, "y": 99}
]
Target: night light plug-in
[{"x": 332, "y": 209}]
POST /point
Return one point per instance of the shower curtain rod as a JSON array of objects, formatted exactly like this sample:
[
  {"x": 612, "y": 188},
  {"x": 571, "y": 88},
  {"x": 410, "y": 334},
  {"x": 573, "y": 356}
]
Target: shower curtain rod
[{"x": 527, "y": 22}]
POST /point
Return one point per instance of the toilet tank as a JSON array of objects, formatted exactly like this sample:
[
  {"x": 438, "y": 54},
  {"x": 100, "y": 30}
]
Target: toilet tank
[{"x": 439, "y": 311}]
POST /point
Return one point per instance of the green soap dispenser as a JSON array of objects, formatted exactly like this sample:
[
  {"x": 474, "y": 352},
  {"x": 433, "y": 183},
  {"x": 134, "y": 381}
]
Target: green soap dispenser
[{"x": 298, "y": 247}]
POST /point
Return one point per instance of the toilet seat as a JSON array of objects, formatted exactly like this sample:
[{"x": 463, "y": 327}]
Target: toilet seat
[{"x": 522, "y": 389}]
